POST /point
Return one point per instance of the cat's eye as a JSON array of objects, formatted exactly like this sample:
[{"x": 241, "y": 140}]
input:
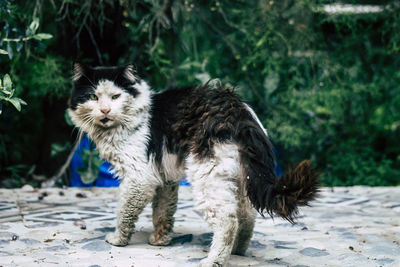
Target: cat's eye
[
  {"x": 93, "y": 97},
  {"x": 116, "y": 96}
]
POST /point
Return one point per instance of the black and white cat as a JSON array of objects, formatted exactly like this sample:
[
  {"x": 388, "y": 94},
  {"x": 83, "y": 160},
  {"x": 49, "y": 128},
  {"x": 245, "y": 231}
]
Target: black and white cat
[{"x": 207, "y": 134}]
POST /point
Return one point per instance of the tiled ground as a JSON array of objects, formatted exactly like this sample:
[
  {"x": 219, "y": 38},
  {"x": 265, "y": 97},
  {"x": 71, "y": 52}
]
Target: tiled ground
[{"x": 355, "y": 226}]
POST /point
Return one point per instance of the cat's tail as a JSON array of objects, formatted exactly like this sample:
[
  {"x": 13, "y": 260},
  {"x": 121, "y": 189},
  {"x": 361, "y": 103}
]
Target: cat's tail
[{"x": 268, "y": 193}]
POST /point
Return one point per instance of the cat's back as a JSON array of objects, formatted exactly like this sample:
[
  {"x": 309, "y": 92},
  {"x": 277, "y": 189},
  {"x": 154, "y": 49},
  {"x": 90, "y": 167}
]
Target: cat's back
[
  {"x": 193, "y": 119},
  {"x": 165, "y": 112}
]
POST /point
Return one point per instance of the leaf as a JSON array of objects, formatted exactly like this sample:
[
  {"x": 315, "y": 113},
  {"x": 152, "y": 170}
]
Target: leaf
[
  {"x": 33, "y": 27},
  {"x": 203, "y": 77},
  {"x": 10, "y": 51},
  {"x": 68, "y": 119},
  {"x": 271, "y": 83},
  {"x": 3, "y": 52},
  {"x": 16, "y": 103},
  {"x": 91, "y": 163},
  {"x": 7, "y": 83},
  {"x": 57, "y": 148},
  {"x": 19, "y": 46},
  {"x": 22, "y": 102},
  {"x": 42, "y": 36}
]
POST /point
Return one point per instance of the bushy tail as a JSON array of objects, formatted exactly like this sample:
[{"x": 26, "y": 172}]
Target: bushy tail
[
  {"x": 295, "y": 188},
  {"x": 267, "y": 193}
]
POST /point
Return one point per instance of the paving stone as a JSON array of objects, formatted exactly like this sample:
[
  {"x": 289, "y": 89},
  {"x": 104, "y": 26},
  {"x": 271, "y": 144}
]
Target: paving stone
[
  {"x": 313, "y": 252},
  {"x": 385, "y": 261},
  {"x": 4, "y": 227},
  {"x": 5, "y": 253},
  {"x": 352, "y": 226},
  {"x": 30, "y": 241},
  {"x": 97, "y": 246},
  {"x": 277, "y": 262},
  {"x": 57, "y": 248},
  {"x": 349, "y": 235},
  {"x": 7, "y": 235},
  {"x": 257, "y": 244},
  {"x": 4, "y": 242}
]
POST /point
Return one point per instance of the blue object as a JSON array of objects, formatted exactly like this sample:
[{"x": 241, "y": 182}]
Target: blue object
[
  {"x": 184, "y": 182},
  {"x": 105, "y": 178},
  {"x": 278, "y": 169}
]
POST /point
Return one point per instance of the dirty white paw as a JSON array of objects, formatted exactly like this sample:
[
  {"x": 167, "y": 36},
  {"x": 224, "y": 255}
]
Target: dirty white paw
[{"x": 116, "y": 239}]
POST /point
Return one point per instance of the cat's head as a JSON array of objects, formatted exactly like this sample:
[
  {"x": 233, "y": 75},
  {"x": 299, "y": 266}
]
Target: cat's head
[{"x": 107, "y": 97}]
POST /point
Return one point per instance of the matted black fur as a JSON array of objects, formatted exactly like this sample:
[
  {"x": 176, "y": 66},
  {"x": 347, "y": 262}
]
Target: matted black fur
[
  {"x": 295, "y": 188},
  {"x": 193, "y": 119}
]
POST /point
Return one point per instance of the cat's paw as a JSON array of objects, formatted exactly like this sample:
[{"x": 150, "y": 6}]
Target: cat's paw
[
  {"x": 210, "y": 263},
  {"x": 157, "y": 240},
  {"x": 116, "y": 239}
]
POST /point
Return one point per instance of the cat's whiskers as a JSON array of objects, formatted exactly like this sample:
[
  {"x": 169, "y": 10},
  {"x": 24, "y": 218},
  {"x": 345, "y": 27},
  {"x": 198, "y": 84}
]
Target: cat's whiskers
[{"x": 88, "y": 122}]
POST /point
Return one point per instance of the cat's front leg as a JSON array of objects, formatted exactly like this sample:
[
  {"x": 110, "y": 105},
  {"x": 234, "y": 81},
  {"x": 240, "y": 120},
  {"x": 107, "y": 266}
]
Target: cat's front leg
[{"x": 133, "y": 198}]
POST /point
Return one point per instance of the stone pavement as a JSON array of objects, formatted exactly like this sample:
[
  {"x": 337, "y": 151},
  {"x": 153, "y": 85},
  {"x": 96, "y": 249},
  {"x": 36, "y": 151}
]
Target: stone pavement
[{"x": 353, "y": 226}]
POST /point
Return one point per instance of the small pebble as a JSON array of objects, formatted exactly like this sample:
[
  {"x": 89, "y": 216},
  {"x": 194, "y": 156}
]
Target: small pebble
[
  {"x": 14, "y": 237},
  {"x": 351, "y": 248},
  {"x": 81, "y": 224},
  {"x": 27, "y": 188},
  {"x": 81, "y": 195},
  {"x": 61, "y": 193},
  {"x": 42, "y": 195}
]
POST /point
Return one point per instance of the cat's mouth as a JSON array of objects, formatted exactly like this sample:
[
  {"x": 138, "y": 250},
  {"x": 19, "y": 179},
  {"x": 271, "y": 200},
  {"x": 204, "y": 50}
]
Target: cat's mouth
[{"x": 105, "y": 120}]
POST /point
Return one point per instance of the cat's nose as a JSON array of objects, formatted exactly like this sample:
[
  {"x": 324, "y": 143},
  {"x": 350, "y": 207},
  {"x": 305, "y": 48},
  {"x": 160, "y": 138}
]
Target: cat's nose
[{"x": 105, "y": 110}]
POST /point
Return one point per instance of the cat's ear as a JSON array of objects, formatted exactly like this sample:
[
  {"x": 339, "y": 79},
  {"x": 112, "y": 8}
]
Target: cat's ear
[
  {"x": 130, "y": 72},
  {"x": 78, "y": 71}
]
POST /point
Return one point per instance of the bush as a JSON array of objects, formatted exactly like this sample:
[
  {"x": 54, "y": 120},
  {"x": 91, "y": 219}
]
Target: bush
[{"x": 326, "y": 86}]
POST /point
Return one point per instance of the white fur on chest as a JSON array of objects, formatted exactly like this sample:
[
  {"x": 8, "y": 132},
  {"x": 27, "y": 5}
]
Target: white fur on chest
[{"x": 126, "y": 153}]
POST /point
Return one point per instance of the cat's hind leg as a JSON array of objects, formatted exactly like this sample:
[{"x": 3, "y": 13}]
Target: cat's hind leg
[
  {"x": 246, "y": 216},
  {"x": 134, "y": 196},
  {"x": 215, "y": 187},
  {"x": 164, "y": 208}
]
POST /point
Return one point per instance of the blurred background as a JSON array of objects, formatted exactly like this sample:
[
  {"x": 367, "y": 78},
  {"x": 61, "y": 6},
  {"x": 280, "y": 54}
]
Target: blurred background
[{"x": 323, "y": 76}]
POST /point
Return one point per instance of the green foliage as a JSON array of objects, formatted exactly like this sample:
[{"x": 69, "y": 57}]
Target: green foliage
[
  {"x": 57, "y": 148},
  {"x": 47, "y": 76},
  {"x": 360, "y": 167},
  {"x": 91, "y": 162},
  {"x": 326, "y": 86},
  {"x": 7, "y": 94}
]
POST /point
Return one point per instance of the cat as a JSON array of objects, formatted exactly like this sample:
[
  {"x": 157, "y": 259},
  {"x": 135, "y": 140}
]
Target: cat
[{"x": 207, "y": 134}]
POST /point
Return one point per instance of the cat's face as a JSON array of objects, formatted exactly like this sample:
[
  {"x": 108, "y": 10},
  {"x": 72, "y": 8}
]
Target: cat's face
[{"x": 104, "y": 97}]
